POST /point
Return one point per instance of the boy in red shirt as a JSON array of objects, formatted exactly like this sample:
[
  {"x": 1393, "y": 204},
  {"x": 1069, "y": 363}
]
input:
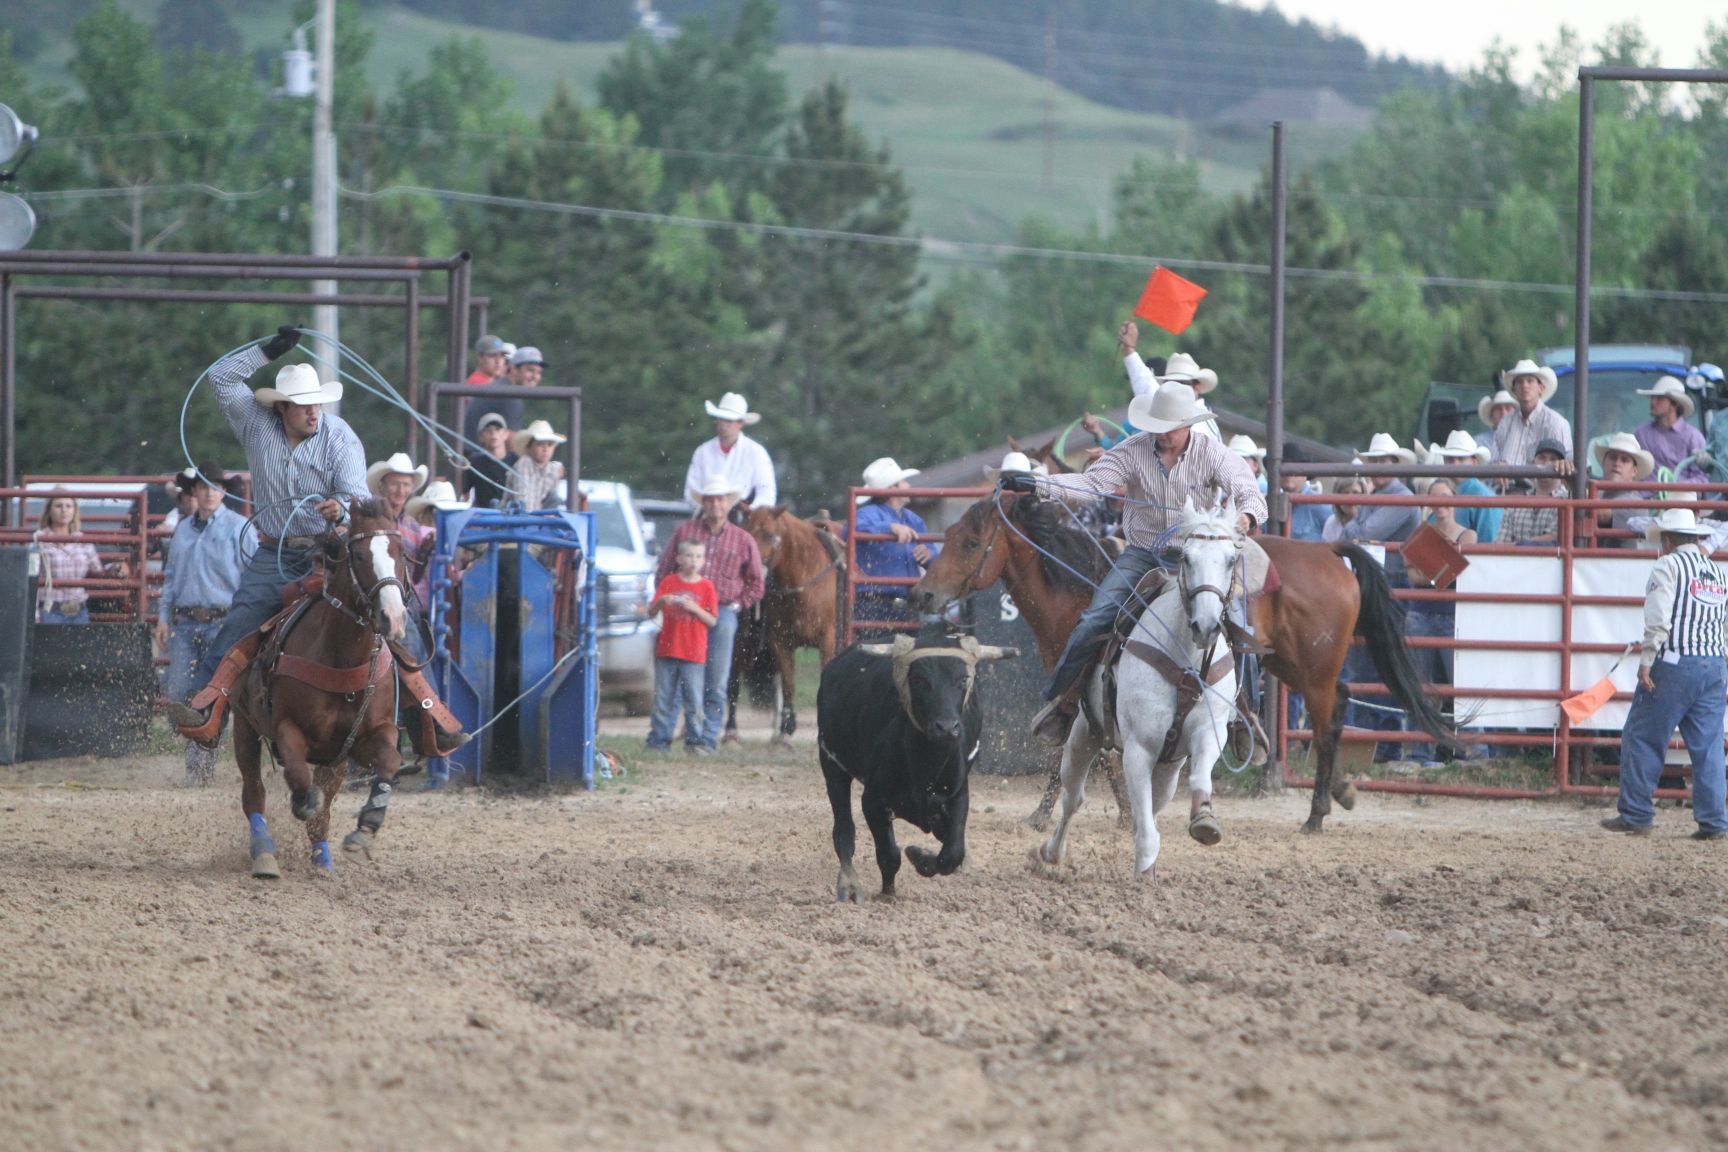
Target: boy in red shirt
[{"x": 689, "y": 607}]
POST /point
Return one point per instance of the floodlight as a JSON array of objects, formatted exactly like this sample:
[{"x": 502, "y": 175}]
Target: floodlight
[
  {"x": 14, "y": 135},
  {"x": 17, "y": 223}
]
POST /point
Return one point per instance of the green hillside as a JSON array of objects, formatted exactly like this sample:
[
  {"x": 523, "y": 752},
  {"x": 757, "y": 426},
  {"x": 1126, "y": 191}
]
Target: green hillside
[{"x": 969, "y": 129}]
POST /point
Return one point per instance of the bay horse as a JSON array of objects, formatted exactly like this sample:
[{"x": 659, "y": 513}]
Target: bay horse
[
  {"x": 1173, "y": 695},
  {"x": 802, "y": 600},
  {"x": 323, "y": 691},
  {"x": 1308, "y": 622}
]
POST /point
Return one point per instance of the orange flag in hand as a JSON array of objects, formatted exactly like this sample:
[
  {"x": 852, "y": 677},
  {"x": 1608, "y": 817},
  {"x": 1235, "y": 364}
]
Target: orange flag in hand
[
  {"x": 1581, "y": 707},
  {"x": 1169, "y": 301}
]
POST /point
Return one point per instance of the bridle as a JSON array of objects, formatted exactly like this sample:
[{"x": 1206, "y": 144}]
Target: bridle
[
  {"x": 970, "y": 583},
  {"x": 366, "y": 611},
  {"x": 1190, "y": 592}
]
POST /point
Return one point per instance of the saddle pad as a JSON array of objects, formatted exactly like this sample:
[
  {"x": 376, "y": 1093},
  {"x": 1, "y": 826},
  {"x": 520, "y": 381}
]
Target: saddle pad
[{"x": 1259, "y": 576}]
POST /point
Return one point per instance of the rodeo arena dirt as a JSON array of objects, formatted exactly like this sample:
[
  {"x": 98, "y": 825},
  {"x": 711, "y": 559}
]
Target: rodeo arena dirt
[{"x": 561, "y": 939}]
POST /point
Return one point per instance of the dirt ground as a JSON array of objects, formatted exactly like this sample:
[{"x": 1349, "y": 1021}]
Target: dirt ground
[{"x": 660, "y": 965}]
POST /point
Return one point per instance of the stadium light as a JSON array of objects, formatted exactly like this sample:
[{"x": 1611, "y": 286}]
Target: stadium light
[{"x": 17, "y": 141}]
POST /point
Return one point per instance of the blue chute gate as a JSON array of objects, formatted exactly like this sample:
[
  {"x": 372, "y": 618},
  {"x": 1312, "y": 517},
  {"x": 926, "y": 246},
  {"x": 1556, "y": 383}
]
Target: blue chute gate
[{"x": 515, "y": 649}]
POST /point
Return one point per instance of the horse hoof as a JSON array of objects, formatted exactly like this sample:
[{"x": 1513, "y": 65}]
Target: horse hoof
[
  {"x": 264, "y": 867},
  {"x": 358, "y": 840},
  {"x": 1204, "y": 827},
  {"x": 731, "y": 736},
  {"x": 1312, "y": 827},
  {"x": 780, "y": 741},
  {"x": 305, "y": 805},
  {"x": 1041, "y": 857},
  {"x": 1038, "y": 821},
  {"x": 1345, "y": 795}
]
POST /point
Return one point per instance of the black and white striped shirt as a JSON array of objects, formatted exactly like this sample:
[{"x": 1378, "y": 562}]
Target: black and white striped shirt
[
  {"x": 1683, "y": 606},
  {"x": 331, "y": 461}
]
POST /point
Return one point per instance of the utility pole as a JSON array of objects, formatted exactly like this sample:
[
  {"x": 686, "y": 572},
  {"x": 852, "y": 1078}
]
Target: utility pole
[
  {"x": 1049, "y": 100},
  {"x": 325, "y": 317}
]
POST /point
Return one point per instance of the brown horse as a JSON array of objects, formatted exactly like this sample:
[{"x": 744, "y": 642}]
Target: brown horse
[
  {"x": 802, "y": 600},
  {"x": 323, "y": 691},
  {"x": 1308, "y": 622}
]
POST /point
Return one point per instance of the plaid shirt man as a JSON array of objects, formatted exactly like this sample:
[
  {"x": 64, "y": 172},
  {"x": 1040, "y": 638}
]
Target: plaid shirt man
[{"x": 733, "y": 561}]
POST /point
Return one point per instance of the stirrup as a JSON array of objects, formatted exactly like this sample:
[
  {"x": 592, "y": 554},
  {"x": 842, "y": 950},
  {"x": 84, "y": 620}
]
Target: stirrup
[
  {"x": 1053, "y": 721},
  {"x": 1248, "y": 741}
]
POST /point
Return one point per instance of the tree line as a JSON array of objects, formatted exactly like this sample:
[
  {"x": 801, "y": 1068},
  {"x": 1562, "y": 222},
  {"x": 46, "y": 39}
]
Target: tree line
[{"x": 749, "y": 238}]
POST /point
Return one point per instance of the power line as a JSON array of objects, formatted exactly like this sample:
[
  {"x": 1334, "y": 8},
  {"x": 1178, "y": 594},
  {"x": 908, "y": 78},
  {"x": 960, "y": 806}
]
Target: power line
[{"x": 972, "y": 251}]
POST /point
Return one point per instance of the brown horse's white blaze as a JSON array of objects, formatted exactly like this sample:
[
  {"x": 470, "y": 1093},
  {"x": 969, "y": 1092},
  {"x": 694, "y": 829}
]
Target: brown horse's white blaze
[{"x": 390, "y": 594}]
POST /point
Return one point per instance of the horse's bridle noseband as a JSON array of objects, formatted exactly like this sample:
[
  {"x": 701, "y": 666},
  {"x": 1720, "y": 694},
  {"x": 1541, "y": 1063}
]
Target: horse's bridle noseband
[
  {"x": 1190, "y": 592},
  {"x": 368, "y": 602}
]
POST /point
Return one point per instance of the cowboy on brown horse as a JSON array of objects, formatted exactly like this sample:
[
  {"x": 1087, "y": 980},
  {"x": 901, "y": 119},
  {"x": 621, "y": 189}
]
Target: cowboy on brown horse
[
  {"x": 302, "y": 459},
  {"x": 1160, "y": 469}
]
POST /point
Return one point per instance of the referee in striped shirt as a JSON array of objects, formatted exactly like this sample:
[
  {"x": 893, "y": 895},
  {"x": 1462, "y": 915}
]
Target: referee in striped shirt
[
  {"x": 295, "y": 451},
  {"x": 1682, "y": 678}
]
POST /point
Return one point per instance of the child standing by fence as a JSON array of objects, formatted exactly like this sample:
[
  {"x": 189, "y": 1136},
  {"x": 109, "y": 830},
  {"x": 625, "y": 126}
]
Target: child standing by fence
[{"x": 688, "y": 607}]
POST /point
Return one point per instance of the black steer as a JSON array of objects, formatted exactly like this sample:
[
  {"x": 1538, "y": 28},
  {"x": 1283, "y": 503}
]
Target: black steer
[{"x": 903, "y": 720}]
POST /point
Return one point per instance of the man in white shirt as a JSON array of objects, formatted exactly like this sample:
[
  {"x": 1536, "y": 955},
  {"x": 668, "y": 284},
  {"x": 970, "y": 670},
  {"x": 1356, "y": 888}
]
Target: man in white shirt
[{"x": 732, "y": 456}]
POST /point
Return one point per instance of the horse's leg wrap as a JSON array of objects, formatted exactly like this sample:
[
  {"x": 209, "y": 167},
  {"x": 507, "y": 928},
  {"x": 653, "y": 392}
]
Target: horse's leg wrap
[
  {"x": 206, "y": 730},
  {"x": 377, "y": 806},
  {"x": 321, "y": 858}
]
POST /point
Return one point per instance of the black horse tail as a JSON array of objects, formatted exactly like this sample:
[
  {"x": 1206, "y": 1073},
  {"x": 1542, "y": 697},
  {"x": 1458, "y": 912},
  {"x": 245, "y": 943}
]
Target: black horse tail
[{"x": 1380, "y": 623}]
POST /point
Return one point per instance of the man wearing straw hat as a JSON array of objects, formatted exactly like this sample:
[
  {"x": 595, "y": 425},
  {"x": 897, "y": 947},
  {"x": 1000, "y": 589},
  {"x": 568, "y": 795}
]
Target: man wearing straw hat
[
  {"x": 1622, "y": 461},
  {"x": 1682, "y": 678},
  {"x": 735, "y": 457},
  {"x": 1161, "y": 468},
  {"x": 1669, "y": 436},
  {"x": 1530, "y": 421},
  {"x": 301, "y": 460}
]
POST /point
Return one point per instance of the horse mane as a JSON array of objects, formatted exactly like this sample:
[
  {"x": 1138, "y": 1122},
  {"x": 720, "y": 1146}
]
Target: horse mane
[
  {"x": 368, "y": 509},
  {"x": 1063, "y": 549}
]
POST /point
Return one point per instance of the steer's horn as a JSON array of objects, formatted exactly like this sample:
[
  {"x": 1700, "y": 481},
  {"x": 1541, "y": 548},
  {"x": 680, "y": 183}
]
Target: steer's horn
[
  {"x": 995, "y": 652},
  {"x": 900, "y": 646}
]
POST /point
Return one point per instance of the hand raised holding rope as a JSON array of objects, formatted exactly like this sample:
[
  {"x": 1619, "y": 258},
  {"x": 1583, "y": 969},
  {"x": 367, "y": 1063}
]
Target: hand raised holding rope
[{"x": 278, "y": 345}]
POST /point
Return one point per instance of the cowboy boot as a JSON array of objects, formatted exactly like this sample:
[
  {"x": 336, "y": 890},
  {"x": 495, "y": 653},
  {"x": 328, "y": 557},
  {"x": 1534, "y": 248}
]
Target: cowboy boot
[
  {"x": 201, "y": 720},
  {"x": 1247, "y": 738},
  {"x": 440, "y": 731},
  {"x": 1053, "y": 721}
]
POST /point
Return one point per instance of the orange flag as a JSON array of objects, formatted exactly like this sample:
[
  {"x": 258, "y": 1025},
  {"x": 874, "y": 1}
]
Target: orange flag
[
  {"x": 1169, "y": 301},
  {"x": 1581, "y": 707}
]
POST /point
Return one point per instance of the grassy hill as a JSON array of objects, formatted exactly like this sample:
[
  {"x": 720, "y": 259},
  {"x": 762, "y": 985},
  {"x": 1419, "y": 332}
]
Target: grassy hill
[{"x": 968, "y": 129}]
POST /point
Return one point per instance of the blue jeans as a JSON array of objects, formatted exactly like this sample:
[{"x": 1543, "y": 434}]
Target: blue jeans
[
  {"x": 188, "y": 641},
  {"x": 717, "y": 672},
  {"x": 50, "y": 616},
  {"x": 677, "y": 682},
  {"x": 1688, "y": 696},
  {"x": 1095, "y": 623},
  {"x": 258, "y": 598}
]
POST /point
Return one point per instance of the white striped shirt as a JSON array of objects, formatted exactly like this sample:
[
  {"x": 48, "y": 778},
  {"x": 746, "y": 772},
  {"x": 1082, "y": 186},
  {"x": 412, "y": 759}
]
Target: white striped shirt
[
  {"x": 1516, "y": 438},
  {"x": 330, "y": 462},
  {"x": 1683, "y": 606},
  {"x": 1206, "y": 471}
]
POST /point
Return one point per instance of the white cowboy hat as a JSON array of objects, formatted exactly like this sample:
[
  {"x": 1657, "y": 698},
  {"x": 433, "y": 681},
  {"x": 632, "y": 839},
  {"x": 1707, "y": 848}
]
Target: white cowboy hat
[
  {"x": 1488, "y": 403},
  {"x": 1383, "y": 445},
  {"x": 1245, "y": 446},
  {"x": 1627, "y": 443},
  {"x": 883, "y": 472},
  {"x": 718, "y": 485},
  {"x": 397, "y": 465},
  {"x": 1182, "y": 369},
  {"x": 1676, "y": 522},
  {"x": 1459, "y": 445},
  {"x": 538, "y": 430},
  {"x": 1675, "y": 391},
  {"x": 732, "y": 407},
  {"x": 298, "y": 384},
  {"x": 1015, "y": 462},
  {"x": 1530, "y": 368},
  {"x": 1169, "y": 406},
  {"x": 438, "y": 494}
]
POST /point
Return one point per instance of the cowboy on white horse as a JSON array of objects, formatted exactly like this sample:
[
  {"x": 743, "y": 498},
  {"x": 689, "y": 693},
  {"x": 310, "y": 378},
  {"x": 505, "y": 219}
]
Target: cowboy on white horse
[{"x": 1161, "y": 468}]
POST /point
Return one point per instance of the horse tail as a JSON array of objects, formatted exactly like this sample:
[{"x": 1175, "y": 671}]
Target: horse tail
[{"x": 1380, "y": 623}]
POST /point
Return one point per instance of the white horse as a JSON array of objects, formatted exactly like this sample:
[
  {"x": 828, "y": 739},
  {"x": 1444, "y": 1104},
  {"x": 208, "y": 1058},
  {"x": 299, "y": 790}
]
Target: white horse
[{"x": 1177, "y": 650}]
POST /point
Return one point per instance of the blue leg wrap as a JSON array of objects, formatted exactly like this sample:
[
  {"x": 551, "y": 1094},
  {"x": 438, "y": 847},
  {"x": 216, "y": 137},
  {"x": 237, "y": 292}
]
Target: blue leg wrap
[
  {"x": 259, "y": 827},
  {"x": 321, "y": 857}
]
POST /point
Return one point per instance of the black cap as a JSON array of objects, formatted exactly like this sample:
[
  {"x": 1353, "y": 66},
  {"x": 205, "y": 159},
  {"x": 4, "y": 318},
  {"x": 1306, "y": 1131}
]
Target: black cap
[{"x": 1553, "y": 447}]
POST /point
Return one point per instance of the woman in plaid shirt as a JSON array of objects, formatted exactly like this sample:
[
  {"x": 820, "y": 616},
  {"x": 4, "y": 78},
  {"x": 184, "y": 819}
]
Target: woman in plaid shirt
[{"x": 62, "y": 561}]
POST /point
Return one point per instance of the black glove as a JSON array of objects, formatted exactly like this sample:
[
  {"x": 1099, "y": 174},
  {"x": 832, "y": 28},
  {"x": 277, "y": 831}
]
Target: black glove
[
  {"x": 1018, "y": 482},
  {"x": 286, "y": 337}
]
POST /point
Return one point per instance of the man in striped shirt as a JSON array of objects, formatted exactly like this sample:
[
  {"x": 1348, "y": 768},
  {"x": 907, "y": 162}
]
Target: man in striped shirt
[
  {"x": 302, "y": 460},
  {"x": 1682, "y": 678},
  {"x": 1531, "y": 421},
  {"x": 1160, "y": 469}
]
